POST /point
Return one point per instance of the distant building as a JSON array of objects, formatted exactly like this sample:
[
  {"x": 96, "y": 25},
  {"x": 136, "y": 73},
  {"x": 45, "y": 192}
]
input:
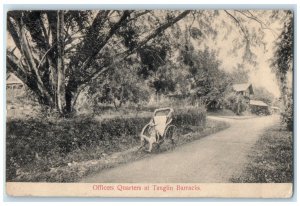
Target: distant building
[
  {"x": 12, "y": 81},
  {"x": 259, "y": 107},
  {"x": 18, "y": 105},
  {"x": 245, "y": 89},
  {"x": 14, "y": 87},
  {"x": 275, "y": 110}
]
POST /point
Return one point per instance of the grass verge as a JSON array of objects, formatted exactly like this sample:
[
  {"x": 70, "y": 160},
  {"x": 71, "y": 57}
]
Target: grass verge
[
  {"x": 271, "y": 158},
  {"x": 38, "y": 146},
  {"x": 73, "y": 171}
]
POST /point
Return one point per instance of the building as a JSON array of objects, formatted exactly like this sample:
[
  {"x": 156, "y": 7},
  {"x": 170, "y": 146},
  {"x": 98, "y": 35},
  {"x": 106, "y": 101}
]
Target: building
[
  {"x": 275, "y": 110},
  {"x": 245, "y": 89},
  {"x": 14, "y": 87},
  {"x": 12, "y": 81},
  {"x": 259, "y": 107},
  {"x": 18, "y": 104}
]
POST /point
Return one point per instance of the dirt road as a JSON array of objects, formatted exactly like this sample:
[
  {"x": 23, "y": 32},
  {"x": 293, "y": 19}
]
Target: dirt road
[{"x": 213, "y": 159}]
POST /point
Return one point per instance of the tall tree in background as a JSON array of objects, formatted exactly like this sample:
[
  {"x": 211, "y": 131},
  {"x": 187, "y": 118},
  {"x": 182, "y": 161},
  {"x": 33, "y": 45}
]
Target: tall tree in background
[
  {"x": 61, "y": 87},
  {"x": 283, "y": 65},
  {"x": 239, "y": 75},
  {"x": 208, "y": 82},
  {"x": 154, "y": 60},
  {"x": 283, "y": 62}
]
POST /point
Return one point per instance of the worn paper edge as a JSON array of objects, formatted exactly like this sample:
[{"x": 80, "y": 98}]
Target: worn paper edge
[{"x": 222, "y": 190}]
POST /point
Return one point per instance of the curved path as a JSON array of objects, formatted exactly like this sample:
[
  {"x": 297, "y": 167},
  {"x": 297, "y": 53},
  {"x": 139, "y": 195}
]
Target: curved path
[{"x": 212, "y": 159}]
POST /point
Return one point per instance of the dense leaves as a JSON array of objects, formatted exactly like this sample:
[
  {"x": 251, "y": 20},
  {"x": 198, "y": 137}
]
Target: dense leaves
[
  {"x": 287, "y": 115},
  {"x": 284, "y": 52},
  {"x": 119, "y": 86},
  {"x": 236, "y": 102},
  {"x": 283, "y": 66},
  {"x": 208, "y": 82}
]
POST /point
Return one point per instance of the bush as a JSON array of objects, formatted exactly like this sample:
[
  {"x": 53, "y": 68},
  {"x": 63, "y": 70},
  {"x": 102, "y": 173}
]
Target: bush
[
  {"x": 35, "y": 145},
  {"x": 237, "y": 103},
  {"x": 195, "y": 116},
  {"x": 287, "y": 116}
]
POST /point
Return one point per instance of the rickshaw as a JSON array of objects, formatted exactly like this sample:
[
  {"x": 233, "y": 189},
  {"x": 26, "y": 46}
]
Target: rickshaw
[{"x": 159, "y": 129}]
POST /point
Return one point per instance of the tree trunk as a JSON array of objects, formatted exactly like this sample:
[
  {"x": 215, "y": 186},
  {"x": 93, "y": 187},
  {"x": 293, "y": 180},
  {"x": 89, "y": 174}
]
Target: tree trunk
[
  {"x": 157, "y": 96},
  {"x": 26, "y": 50},
  {"x": 284, "y": 89},
  {"x": 61, "y": 87},
  {"x": 121, "y": 96},
  {"x": 115, "y": 105},
  {"x": 238, "y": 105},
  {"x": 69, "y": 105}
]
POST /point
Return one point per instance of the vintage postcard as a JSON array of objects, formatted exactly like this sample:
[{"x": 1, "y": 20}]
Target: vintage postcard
[{"x": 150, "y": 103}]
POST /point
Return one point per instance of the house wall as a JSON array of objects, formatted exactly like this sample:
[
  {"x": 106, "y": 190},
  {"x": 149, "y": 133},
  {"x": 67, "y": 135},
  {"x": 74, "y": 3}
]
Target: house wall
[{"x": 13, "y": 92}]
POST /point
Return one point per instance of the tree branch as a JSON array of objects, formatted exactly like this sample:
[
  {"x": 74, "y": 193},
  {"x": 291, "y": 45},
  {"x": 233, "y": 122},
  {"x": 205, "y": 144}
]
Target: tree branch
[
  {"x": 29, "y": 58},
  {"x": 162, "y": 28},
  {"x": 14, "y": 65},
  {"x": 239, "y": 24},
  {"x": 97, "y": 48},
  {"x": 140, "y": 14},
  {"x": 128, "y": 52},
  {"x": 46, "y": 34},
  {"x": 254, "y": 18},
  {"x": 13, "y": 31}
]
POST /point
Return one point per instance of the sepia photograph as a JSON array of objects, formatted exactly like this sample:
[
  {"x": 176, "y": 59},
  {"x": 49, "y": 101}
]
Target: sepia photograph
[{"x": 150, "y": 103}]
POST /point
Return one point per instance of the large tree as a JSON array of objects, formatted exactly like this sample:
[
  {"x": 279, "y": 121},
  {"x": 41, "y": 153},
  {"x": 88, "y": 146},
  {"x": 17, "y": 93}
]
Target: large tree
[
  {"x": 208, "y": 82},
  {"x": 58, "y": 53}
]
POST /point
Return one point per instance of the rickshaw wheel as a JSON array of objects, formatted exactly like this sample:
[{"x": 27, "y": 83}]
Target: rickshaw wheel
[{"x": 171, "y": 135}]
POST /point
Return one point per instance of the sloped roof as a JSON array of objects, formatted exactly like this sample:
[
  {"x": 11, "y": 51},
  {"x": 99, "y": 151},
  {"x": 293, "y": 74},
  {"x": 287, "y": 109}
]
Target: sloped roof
[
  {"x": 13, "y": 79},
  {"x": 258, "y": 103},
  {"x": 242, "y": 87}
]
